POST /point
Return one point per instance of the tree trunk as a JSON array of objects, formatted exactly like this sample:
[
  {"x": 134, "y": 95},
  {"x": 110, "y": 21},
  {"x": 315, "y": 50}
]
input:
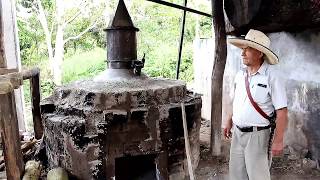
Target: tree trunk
[
  {"x": 217, "y": 75},
  {"x": 44, "y": 23},
  {"x": 58, "y": 57},
  {"x": 59, "y": 50}
]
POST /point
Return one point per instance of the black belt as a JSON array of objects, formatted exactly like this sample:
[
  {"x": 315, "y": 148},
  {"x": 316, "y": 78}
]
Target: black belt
[{"x": 252, "y": 128}]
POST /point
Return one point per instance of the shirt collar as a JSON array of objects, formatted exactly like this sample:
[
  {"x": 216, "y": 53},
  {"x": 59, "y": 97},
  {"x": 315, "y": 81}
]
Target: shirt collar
[{"x": 262, "y": 70}]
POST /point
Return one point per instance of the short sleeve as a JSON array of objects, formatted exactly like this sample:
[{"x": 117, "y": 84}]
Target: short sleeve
[{"x": 278, "y": 91}]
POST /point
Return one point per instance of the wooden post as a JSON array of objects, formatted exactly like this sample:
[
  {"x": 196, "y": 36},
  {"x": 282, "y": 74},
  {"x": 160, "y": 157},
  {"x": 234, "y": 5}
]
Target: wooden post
[
  {"x": 186, "y": 141},
  {"x": 217, "y": 75},
  {"x": 33, "y": 75},
  {"x": 7, "y": 71},
  {"x": 9, "y": 51},
  {"x": 35, "y": 99},
  {"x": 10, "y": 132},
  {"x": 16, "y": 79},
  {"x": 2, "y": 55}
]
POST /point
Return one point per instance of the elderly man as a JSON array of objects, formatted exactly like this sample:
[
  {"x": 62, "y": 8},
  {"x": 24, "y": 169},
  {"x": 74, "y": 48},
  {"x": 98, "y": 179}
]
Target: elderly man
[{"x": 259, "y": 95}]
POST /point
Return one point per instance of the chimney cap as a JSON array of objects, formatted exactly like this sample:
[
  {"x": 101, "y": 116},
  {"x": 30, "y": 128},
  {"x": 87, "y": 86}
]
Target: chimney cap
[{"x": 121, "y": 19}]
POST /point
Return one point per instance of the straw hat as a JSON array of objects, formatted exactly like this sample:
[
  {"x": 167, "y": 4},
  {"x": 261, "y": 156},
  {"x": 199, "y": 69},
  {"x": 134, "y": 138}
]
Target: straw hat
[{"x": 258, "y": 40}]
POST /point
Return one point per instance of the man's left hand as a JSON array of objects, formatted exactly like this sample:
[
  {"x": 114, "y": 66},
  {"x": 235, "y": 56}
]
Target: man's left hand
[
  {"x": 277, "y": 145},
  {"x": 277, "y": 148}
]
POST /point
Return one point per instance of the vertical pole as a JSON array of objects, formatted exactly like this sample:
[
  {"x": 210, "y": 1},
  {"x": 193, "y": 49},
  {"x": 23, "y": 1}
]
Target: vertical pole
[
  {"x": 181, "y": 39},
  {"x": 2, "y": 55},
  {"x": 35, "y": 100},
  {"x": 10, "y": 132},
  {"x": 9, "y": 45},
  {"x": 217, "y": 75},
  {"x": 186, "y": 141}
]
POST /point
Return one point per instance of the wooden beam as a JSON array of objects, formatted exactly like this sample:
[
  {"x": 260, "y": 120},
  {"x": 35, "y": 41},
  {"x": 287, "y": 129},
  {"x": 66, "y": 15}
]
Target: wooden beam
[
  {"x": 217, "y": 75},
  {"x": 10, "y": 132},
  {"x": 35, "y": 100},
  {"x": 2, "y": 55},
  {"x": 15, "y": 79},
  {"x": 30, "y": 73},
  {"x": 272, "y": 15},
  {"x": 34, "y": 76},
  {"x": 4, "y": 71},
  {"x": 9, "y": 47}
]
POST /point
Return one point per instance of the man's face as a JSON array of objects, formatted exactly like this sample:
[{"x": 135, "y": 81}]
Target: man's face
[{"x": 251, "y": 56}]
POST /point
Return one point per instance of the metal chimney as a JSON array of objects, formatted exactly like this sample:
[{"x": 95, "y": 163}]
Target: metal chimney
[{"x": 121, "y": 40}]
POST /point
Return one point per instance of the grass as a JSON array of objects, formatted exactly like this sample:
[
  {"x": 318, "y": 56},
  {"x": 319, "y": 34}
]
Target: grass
[
  {"x": 84, "y": 65},
  {"x": 79, "y": 66}
]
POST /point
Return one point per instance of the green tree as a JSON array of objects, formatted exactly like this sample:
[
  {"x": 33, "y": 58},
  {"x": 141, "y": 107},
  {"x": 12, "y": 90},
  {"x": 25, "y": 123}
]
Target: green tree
[
  {"x": 63, "y": 21},
  {"x": 158, "y": 36}
]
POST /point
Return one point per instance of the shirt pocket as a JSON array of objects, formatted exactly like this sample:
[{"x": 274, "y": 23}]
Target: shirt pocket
[{"x": 260, "y": 92}]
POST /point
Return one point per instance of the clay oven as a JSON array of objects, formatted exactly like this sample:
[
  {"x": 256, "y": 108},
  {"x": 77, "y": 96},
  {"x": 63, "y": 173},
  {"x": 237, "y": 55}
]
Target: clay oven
[{"x": 122, "y": 124}]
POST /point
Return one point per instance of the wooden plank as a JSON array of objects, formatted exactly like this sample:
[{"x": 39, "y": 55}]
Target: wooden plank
[
  {"x": 28, "y": 74},
  {"x": 10, "y": 52},
  {"x": 35, "y": 100},
  {"x": 2, "y": 55},
  {"x": 4, "y": 71},
  {"x": 14, "y": 78},
  {"x": 217, "y": 76},
  {"x": 10, "y": 132},
  {"x": 186, "y": 141},
  {"x": 4, "y": 87}
]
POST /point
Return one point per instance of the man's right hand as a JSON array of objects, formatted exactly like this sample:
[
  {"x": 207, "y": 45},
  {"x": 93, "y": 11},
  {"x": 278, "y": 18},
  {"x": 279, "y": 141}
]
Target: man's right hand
[{"x": 227, "y": 129}]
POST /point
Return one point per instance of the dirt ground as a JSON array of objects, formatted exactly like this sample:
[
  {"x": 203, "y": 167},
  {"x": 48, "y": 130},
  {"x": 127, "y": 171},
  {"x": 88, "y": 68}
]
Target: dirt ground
[
  {"x": 283, "y": 168},
  {"x": 216, "y": 168}
]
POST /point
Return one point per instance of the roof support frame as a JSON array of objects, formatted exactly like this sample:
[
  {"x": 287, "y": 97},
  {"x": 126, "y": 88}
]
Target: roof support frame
[
  {"x": 183, "y": 22},
  {"x": 180, "y": 7}
]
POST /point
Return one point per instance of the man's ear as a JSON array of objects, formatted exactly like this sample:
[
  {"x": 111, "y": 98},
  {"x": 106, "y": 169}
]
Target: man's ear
[{"x": 261, "y": 54}]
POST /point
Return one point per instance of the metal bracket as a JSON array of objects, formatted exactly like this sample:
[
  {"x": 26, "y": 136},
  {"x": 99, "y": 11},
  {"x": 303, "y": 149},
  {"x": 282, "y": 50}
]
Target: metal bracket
[{"x": 138, "y": 65}]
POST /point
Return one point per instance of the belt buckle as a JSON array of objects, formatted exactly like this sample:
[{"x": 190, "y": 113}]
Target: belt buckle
[{"x": 255, "y": 128}]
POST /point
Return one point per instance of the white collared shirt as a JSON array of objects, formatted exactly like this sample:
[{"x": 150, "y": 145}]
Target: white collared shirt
[{"x": 267, "y": 90}]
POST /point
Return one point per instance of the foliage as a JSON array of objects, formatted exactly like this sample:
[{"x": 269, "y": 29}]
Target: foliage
[
  {"x": 85, "y": 57},
  {"x": 30, "y": 43},
  {"x": 158, "y": 38},
  {"x": 84, "y": 65}
]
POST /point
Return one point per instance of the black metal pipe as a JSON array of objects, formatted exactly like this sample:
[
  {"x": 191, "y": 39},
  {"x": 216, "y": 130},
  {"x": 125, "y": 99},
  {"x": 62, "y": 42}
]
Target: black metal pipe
[
  {"x": 181, "y": 7},
  {"x": 183, "y": 23},
  {"x": 121, "y": 39}
]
